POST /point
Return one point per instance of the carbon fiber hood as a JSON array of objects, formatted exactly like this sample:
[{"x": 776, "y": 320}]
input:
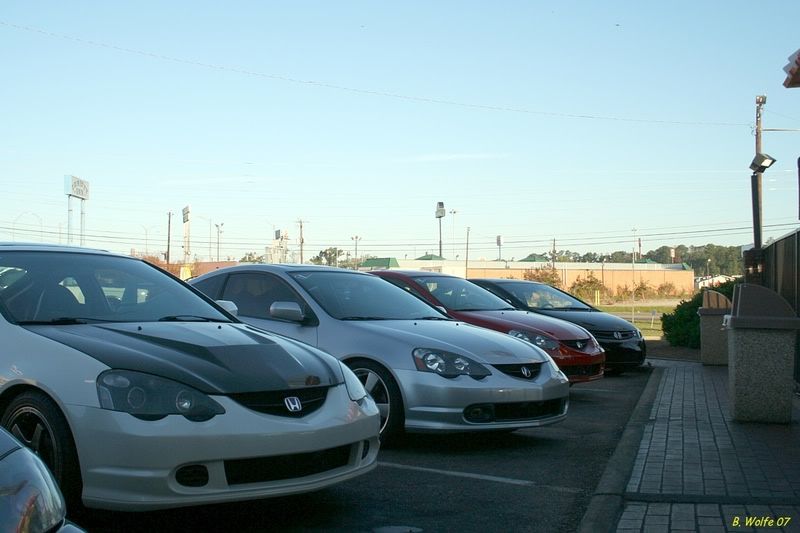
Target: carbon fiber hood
[{"x": 211, "y": 357}]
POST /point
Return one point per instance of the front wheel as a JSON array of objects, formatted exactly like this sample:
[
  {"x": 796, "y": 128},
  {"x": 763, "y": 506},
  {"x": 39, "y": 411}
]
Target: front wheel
[
  {"x": 380, "y": 384},
  {"x": 37, "y": 422}
]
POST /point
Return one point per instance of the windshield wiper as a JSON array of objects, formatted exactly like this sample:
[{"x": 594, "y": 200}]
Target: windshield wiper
[
  {"x": 61, "y": 321},
  {"x": 363, "y": 318},
  {"x": 190, "y": 318},
  {"x": 434, "y": 318}
]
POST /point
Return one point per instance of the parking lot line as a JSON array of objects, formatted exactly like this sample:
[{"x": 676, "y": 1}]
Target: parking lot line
[{"x": 496, "y": 479}]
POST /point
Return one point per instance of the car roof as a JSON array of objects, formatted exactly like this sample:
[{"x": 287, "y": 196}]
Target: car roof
[
  {"x": 415, "y": 273},
  {"x": 501, "y": 281},
  {"x": 283, "y": 267},
  {"x": 50, "y": 247}
]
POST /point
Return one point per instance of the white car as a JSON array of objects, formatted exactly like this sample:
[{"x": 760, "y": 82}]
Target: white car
[{"x": 139, "y": 393}]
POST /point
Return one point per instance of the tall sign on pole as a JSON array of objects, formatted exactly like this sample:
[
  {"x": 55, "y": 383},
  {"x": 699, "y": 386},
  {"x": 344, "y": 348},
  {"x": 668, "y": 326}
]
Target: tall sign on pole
[
  {"x": 187, "y": 252},
  {"x": 440, "y": 212},
  {"x": 74, "y": 187}
]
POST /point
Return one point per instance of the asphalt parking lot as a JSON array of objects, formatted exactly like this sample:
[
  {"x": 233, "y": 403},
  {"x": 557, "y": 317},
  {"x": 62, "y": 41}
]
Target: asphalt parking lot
[{"x": 531, "y": 480}]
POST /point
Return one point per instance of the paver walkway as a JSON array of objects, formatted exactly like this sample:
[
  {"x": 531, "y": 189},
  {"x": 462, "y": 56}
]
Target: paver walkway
[{"x": 697, "y": 470}]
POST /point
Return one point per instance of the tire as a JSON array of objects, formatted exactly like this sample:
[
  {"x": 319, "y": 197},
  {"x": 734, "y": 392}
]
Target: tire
[
  {"x": 36, "y": 421},
  {"x": 384, "y": 390}
]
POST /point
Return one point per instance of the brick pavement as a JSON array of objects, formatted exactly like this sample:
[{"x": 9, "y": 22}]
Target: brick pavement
[{"x": 697, "y": 470}]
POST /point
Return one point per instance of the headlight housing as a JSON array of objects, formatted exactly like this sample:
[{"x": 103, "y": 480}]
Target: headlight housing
[
  {"x": 542, "y": 341},
  {"x": 355, "y": 389},
  {"x": 151, "y": 397},
  {"x": 447, "y": 364}
]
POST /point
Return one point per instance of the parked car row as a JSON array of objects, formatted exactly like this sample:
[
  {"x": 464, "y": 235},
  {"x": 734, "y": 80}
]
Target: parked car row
[{"x": 140, "y": 392}]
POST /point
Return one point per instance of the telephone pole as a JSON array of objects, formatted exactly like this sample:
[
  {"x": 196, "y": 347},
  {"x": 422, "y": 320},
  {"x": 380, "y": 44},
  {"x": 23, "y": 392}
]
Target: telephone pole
[
  {"x": 169, "y": 232},
  {"x": 755, "y": 179},
  {"x": 301, "y": 222}
]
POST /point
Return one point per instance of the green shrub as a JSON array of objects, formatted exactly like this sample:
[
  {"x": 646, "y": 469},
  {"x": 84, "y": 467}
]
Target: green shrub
[{"x": 682, "y": 326}]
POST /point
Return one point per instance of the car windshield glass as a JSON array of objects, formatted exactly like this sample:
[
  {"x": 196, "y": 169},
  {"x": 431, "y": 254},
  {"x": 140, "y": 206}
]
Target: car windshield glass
[
  {"x": 64, "y": 288},
  {"x": 541, "y": 296},
  {"x": 352, "y": 296},
  {"x": 459, "y": 294}
]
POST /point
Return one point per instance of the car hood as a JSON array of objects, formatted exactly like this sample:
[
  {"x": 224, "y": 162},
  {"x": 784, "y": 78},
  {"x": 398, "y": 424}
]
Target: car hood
[
  {"x": 483, "y": 345},
  {"x": 591, "y": 320},
  {"x": 527, "y": 321},
  {"x": 211, "y": 357}
]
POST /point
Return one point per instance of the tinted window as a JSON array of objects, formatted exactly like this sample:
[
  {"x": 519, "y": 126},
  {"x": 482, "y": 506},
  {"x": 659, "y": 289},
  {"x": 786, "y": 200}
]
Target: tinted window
[
  {"x": 539, "y": 296},
  {"x": 362, "y": 297},
  {"x": 254, "y": 293},
  {"x": 461, "y": 295},
  {"x": 210, "y": 286},
  {"x": 62, "y": 285}
]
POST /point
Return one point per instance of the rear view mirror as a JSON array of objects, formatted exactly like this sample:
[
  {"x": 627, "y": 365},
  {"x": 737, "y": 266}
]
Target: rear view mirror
[
  {"x": 229, "y": 306},
  {"x": 287, "y": 311}
]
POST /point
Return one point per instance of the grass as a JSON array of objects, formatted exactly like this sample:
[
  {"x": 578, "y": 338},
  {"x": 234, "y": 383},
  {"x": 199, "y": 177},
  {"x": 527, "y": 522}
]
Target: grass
[{"x": 645, "y": 317}]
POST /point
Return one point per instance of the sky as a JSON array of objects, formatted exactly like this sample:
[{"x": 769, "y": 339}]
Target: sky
[{"x": 593, "y": 124}]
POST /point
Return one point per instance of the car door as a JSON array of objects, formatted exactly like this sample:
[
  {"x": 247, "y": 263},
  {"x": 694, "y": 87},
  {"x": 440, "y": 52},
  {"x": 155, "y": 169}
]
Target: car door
[{"x": 254, "y": 293}]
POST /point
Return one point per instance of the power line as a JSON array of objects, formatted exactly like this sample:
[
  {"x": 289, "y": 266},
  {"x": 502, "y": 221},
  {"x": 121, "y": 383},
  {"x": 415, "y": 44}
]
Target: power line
[{"x": 370, "y": 92}]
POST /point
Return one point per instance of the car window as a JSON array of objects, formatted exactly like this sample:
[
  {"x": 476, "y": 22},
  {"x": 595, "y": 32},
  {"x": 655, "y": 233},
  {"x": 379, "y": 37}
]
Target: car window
[
  {"x": 254, "y": 293},
  {"x": 210, "y": 286},
  {"x": 351, "y": 296},
  {"x": 82, "y": 287},
  {"x": 459, "y": 294},
  {"x": 541, "y": 296}
]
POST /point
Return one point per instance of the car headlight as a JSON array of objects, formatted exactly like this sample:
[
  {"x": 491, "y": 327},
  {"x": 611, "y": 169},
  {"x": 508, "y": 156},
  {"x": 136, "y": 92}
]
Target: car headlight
[
  {"x": 355, "y": 389},
  {"x": 151, "y": 397},
  {"x": 543, "y": 342},
  {"x": 448, "y": 364},
  {"x": 639, "y": 333}
]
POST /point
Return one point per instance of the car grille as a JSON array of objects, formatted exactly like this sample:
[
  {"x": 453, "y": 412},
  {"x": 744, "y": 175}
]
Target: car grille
[
  {"x": 582, "y": 370},
  {"x": 578, "y": 344},
  {"x": 264, "y": 469},
  {"x": 623, "y": 335},
  {"x": 273, "y": 402},
  {"x": 507, "y": 412},
  {"x": 518, "y": 372}
]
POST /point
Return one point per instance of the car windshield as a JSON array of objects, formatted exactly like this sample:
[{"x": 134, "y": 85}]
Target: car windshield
[
  {"x": 352, "y": 296},
  {"x": 541, "y": 296},
  {"x": 77, "y": 288},
  {"x": 459, "y": 294}
]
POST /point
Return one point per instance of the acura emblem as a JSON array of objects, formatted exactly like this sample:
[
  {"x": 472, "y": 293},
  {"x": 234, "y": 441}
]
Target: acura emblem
[
  {"x": 617, "y": 335},
  {"x": 526, "y": 372},
  {"x": 293, "y": 404},
  {"x": 579, "y": 344}
]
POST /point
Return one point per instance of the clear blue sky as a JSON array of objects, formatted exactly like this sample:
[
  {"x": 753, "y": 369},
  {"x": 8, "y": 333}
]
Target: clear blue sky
[{"x": 577, "y": 121}]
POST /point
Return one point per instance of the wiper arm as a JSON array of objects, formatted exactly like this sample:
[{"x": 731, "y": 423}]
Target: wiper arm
[
  {"x": 434, "y": 318},
  {"x": 190, "y": 318},
  {"x": 363, "y": 318}
]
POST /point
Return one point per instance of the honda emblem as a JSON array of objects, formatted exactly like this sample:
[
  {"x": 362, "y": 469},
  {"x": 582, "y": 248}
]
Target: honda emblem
[
  {"x": 293, "y": 404},
  {"x": 526, "y": 372}
]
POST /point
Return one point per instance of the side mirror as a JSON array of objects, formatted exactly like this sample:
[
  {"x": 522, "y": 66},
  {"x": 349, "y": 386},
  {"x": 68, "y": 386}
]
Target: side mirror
[
  {"x": 229, "y": 306},
  {"x": 287, "y": 311}
]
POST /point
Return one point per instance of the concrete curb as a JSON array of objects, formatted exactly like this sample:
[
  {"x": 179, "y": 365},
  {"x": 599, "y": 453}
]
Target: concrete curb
[{"x": 607, "y": 502}]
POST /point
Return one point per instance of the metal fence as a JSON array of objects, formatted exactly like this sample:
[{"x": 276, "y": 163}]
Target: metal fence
[{"x": 781, "y": 269}]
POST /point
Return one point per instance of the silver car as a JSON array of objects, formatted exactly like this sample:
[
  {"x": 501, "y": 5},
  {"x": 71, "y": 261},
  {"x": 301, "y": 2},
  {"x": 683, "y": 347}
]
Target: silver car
[
  {"x": 425, "y": 371},
  {"x": 140, "y": 393}
]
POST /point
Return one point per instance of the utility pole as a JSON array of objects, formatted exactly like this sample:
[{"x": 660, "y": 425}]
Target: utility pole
[
  {"x": 169, "y": 232},
  {"x": 466, "y": 258},
  {"x": 553, "y": 256},
  {"x": 355, "y": 239},
  {"x": 453, "y": 212},
  {"x": 755, "y": 179},
  {"x": 302, "y": 241}
]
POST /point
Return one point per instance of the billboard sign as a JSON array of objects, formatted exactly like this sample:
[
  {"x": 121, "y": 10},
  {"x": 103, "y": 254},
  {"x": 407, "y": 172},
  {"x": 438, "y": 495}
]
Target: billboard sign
[{"x": 74, "y": 186}]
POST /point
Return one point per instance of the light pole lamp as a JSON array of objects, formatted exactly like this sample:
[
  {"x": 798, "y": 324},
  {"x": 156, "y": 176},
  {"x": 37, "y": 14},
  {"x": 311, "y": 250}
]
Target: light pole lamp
[
  {"x": 440, "y": 213},
  {"x": 761, "y": 162}
]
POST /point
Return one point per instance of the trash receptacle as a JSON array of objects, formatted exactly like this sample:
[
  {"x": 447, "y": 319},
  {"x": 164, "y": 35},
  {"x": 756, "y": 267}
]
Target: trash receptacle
[
  {"x": 713, "y": 337},
  {"x": 762, "y": 331}
]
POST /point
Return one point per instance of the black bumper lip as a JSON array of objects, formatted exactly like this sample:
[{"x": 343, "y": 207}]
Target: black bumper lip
[{"x": 625, "y": 353}]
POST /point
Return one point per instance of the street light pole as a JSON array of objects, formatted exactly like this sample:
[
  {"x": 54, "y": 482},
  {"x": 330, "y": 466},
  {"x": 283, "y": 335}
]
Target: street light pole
[
  {"x": 453, "y": 212},
  {"x": 219, "y": 230},
  {"x": 755, "y": 178},
  {"x": 355, "y": 239},
  {"x": 440, "y": 212}
]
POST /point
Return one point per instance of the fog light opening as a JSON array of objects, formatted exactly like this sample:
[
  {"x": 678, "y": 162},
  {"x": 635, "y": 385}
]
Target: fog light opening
[{"x": 479, "y": 413}]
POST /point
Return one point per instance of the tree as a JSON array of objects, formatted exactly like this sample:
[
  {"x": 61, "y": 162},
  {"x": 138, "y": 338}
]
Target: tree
[
  {"x": 660, "y": 255},
  {"x": 251, "y": 257},
  {"x": 543, "y": 275},
  {"x": 328, "y": 256},
  {"x": 586, "y": 288}
]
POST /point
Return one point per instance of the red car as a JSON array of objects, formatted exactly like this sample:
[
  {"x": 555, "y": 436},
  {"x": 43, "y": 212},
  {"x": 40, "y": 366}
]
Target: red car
[{"x": 574, "y": 349}]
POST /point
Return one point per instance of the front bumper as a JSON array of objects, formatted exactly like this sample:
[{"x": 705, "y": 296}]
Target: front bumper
[
  {"x": 437, "y": 404},
  {"x": 629, "y": 353},
  {"x": 581, "y": 367},
  {"x": 132, "y": 464}
]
